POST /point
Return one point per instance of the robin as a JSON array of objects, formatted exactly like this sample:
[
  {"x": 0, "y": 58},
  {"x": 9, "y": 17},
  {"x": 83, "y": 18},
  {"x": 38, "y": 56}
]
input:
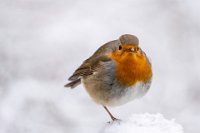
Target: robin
[{"x": 118, "y": 72}]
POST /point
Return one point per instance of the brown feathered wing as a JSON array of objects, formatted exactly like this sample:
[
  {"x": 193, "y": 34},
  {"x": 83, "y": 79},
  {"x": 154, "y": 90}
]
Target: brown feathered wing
[{"x": 88, "y": 67}]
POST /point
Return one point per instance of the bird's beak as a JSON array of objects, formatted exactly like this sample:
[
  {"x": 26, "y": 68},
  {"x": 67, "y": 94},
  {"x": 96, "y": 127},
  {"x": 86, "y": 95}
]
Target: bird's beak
[{"x": 131, "y": 50}]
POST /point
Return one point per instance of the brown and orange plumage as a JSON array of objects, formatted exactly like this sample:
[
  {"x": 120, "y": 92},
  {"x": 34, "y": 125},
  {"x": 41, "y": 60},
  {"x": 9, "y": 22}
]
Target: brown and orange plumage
[
  {"x": 131, "y": 68},
  {"x": 118, "y": 72}
]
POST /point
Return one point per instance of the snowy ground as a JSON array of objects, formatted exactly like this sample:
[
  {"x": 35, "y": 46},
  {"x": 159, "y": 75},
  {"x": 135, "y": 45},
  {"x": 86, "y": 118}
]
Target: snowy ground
[
  {"x": 144, "y": 123},
  {"x": 43, "y": 41}
]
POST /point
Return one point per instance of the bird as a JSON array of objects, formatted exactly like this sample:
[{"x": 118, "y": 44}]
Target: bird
[{"x": 117, "y": 73}]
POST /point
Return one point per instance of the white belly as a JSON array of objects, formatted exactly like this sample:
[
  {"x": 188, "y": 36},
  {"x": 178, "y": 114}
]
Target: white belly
[{"x": 129, "y": 94}]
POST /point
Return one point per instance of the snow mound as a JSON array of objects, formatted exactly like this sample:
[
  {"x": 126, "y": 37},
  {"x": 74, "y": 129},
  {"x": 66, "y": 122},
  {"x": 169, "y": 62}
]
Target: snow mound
[{"x": 144, "y": 123}]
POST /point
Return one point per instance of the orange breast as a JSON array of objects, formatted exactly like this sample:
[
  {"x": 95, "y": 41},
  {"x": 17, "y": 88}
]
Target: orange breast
[{"x": 131, "y": 68}]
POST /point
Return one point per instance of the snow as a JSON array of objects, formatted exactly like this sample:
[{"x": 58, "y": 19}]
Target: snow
[{"x": 144, "y": 123}]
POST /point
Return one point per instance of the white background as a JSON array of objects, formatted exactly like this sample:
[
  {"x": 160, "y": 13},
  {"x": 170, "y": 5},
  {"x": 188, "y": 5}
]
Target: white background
[{"x": 43, "y": 41}]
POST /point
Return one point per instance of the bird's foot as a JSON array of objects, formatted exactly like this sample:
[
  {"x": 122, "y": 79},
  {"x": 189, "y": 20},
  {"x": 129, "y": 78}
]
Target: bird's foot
[{"x": 114, "y": 120}]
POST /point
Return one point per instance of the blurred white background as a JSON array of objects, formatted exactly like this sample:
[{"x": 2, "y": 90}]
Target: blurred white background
[{"x": 43, "y": 41}]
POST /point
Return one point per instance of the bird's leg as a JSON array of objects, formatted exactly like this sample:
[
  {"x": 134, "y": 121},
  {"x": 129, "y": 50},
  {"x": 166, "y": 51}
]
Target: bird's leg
[{"x": 112, "y": 117}]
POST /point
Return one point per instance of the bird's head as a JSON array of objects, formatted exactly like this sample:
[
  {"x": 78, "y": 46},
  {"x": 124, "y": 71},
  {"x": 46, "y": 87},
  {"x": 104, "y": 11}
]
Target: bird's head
[{"x": 128, "y": 50}]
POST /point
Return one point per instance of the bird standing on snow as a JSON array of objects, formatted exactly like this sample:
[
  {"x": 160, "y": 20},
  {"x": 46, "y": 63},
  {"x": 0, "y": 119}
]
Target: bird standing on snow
[{"x": 118, "y": 72}]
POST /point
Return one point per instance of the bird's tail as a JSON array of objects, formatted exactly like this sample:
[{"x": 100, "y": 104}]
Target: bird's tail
[{"x": 73, "y": 84}]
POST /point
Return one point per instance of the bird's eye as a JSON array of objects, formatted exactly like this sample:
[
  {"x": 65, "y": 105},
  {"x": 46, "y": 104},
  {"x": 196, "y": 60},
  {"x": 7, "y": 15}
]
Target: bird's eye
[
  {"x": 137, "y": 49},
  {"x": 120, "y": 47}
]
